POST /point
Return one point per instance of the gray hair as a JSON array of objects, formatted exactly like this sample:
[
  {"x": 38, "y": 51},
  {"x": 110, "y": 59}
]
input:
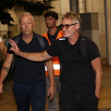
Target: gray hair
[
  {"x": 72, "y": 16},
  {"x": 25, "y": 14}
]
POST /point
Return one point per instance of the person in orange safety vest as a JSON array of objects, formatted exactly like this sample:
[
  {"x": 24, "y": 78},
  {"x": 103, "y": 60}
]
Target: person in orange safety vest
[{"x": 52, "y": 35}]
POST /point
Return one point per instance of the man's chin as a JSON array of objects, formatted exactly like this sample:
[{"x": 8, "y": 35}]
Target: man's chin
[
  {"x": 49, "y": 27},
  {"x": 27, "y": 33},
  {"x": 65, "y": 36}
]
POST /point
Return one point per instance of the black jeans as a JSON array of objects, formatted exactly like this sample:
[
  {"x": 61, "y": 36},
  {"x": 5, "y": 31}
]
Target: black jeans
[
  {"x": 26, "y": 94},
  {"x": 73, "y": 101}
]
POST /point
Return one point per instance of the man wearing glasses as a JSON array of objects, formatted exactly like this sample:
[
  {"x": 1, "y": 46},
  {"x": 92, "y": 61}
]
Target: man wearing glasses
[{"x": 80, "y": 77}]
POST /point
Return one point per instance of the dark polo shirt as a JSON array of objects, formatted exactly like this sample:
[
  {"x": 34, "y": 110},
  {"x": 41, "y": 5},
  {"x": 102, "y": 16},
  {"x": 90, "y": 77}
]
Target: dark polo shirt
[{"x": 28, "y": 71}]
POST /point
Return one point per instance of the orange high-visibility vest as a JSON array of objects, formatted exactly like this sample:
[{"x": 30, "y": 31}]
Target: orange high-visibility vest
[{"x": 56, "y": 62}]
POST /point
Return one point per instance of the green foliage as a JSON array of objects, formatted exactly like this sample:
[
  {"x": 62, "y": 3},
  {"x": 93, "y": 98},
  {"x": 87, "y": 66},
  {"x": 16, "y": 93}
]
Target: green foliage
[
  {"x": 5, "y": 17},
  {"x": 34, "y": 8}
]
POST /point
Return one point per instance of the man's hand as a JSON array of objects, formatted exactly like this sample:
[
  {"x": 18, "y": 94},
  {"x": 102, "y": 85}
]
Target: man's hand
[
  {"x": 97, "y": 93},
  {"x": 51, "y": 92},
  {"x": 14, "y": 47},
  {"x": 1, "y": 88}
]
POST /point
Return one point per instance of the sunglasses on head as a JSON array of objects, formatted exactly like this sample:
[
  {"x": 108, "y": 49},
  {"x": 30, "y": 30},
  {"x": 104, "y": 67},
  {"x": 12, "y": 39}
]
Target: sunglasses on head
[{"x": 66, "y": 26}]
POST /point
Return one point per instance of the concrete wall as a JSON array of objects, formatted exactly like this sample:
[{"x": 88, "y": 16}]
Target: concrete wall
[{"x": 98, "y": 7}]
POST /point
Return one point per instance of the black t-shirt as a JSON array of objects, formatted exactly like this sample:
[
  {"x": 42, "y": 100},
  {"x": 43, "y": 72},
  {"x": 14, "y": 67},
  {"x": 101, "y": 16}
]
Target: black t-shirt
[
  {"x": 76, "y": 70},
  {"x": 52, "y": 38},
  {"x": 28, "y": 71}
]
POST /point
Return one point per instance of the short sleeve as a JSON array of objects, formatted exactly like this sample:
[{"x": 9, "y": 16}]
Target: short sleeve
[
  {"x": 93, "y": 51},
  {"x": 54, "y": 49}
]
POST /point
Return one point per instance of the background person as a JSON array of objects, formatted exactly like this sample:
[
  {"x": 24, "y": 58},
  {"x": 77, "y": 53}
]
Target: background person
[
  {"x": 9, "y": 36},
  {"x": 52, "y": 35}
]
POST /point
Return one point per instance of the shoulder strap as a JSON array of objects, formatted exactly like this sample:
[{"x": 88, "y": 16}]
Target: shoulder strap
[
  {"x": 17, "y": 38},
  {"x": 62, "y": 45},
  {"x": 41, "y": 41},
  {"x": 56, "y": 33},
  {"x": 83, "y": 47}
]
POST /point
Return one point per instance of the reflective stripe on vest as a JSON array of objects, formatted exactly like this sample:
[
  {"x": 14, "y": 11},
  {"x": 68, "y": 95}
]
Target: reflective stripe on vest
[
  {"x": 56, "y": 62},
  {"x": 56, "y": 70},
  {"x": 55, "y": 66}
]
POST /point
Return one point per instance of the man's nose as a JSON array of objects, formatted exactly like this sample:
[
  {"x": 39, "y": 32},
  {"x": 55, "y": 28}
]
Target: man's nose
[
  {"x": 63, "y": 28},
  {"x": 26, "y": 25}
]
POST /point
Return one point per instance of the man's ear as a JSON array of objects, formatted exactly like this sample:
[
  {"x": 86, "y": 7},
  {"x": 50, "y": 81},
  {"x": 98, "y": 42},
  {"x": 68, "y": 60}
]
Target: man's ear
[
  {"x": 33, "y": 24},
  {"x": 77, "y": 26},
  {"x": 56, "y": 21}
]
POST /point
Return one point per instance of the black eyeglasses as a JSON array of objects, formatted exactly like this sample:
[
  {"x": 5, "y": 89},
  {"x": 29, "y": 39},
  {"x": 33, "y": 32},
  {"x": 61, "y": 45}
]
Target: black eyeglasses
[{"x": 66, "y": 26}]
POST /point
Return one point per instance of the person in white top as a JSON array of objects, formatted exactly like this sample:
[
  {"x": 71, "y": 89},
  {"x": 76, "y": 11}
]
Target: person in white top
[{"x": 3, "y": 49}]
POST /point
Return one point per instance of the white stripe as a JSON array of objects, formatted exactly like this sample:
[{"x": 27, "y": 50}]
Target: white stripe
[
  {"x": 62, "y": 38},
  {"x": 56, "y": 67}
]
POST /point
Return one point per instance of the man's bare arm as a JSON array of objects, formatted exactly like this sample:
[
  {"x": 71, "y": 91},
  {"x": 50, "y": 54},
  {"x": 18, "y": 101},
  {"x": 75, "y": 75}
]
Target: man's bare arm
[
  {"x": 5, "y": 69},
  {"x": 30, "y": 56},
  {"x": 35, "y": 56},
  {"x": 50, "y": 70},
  {"x": 96, "y": 64}
]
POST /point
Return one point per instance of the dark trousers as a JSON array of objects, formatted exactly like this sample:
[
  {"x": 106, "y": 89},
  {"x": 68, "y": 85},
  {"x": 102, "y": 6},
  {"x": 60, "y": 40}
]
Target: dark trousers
[
  {"x": 73, "y": 101},
  {"x": 26, "y": 94}
]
